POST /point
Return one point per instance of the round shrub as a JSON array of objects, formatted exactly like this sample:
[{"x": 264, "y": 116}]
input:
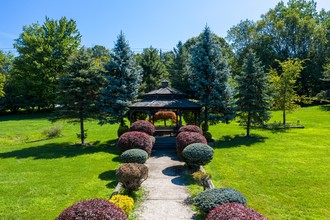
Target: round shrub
[
  {"x": 135, "y": 140},
  {"x": 183, "y": 139},
  {"x": 143, "y": 126},
  {"x": 124, "y": 202},
  {"x": 211, "y": 198},
  {"x": 134, "y": 156},
  {"x": 122, "y": 129},
  {"x": 93, "y": 209},
  {"x": 131, "y": 175},
  {"x": 234, "y": 211},
  {"x": 165, "y": 115},
  {"x": 198, "y": 154},
  {"x": 191, "y": 128}
]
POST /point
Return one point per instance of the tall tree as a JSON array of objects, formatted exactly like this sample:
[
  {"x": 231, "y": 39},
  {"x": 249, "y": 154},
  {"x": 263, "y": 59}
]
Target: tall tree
[
  {"x": 178, "y": 71},
  {"x": 154, "y": 70},
  {"x": 123, "y": 77},
  {"x": 43, "y": 52},
  {"x": 79, "y": 89},
  {"x": 284, "y": 83},
  {"x": 253, "y": 93},
  {"x": 208, "y": 77}
]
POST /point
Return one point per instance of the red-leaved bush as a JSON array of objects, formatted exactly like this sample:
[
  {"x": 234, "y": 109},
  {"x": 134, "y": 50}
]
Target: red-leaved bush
[
  {"x": 229, "y": 211},
  {"x": 135, "y": 140},
  {"x": 191, "y": 128},
  {"x": 93, "y": 209},
  {"x": 143, "y": 126},
  {"x": 165, "y": 115},
  {"x": 183, "y": 139}
]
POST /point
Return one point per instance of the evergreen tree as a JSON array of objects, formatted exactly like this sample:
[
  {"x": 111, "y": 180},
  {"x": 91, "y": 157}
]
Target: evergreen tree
[
  {"x": 179, "y": 73},
  {"x": 154, "y": 70},
  {"x": 208, "y": 77},
  {"x": 79, "y": 89},
  {"x": 123, "y": 77},
  {"x": 253, "y": 99},
  {"x": 284, "y": 84}
]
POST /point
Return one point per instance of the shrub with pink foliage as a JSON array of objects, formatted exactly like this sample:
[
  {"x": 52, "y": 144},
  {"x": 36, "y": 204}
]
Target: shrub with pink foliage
[
  {"x": 135, "y": 140},
  {"x": 191, "y": 128},
  {"x": 183, "y": 139},
  {"x": 143, "y": 126},
  {"x": 228, "y": 211},
  {"x": 93, "y": 209}
]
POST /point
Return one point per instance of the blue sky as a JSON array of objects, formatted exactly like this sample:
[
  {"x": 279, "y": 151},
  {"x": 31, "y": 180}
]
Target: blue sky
[{"x": 145, "y": 23}]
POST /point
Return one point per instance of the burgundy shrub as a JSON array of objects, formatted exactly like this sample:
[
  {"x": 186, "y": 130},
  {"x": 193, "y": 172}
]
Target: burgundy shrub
[
  {"x": 183, "y": 139},
  {"x": 191, "y": 128},
  {"x": 135, "y": 140},
  {"x": 93, "y": 209},
  {"x": 229, "y": 211},
  {"x": 143, "y": 126}
]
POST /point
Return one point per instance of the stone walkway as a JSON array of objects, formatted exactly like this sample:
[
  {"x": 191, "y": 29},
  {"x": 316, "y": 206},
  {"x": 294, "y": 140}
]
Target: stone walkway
[{"x": 165, "y": 187}]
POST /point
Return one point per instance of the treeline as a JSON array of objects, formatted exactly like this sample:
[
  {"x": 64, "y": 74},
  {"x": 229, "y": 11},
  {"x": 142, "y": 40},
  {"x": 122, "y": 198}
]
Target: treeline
[{"x": 296, "y": 31}]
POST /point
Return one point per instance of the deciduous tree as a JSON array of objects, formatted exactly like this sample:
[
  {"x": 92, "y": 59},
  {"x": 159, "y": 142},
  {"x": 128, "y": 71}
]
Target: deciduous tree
[{"x": 284, "y": 85}]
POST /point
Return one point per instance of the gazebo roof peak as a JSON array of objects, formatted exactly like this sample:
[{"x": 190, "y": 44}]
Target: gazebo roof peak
[{"x": 166, "y": 91}]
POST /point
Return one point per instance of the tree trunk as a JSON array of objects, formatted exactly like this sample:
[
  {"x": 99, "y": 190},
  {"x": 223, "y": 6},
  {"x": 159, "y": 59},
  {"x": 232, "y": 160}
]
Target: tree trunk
[
  {"x": 248, "y": 126},
  {"x": 206, "y": 123},
  {"x": 284, "y": 117},
  {"x": 82, "y": 131}
]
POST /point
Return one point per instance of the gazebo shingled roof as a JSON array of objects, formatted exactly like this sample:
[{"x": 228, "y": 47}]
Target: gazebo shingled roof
[{"x": 165, "y": 98}]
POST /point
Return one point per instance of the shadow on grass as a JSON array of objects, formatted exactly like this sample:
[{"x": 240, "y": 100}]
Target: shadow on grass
[
  {"x": 325, "y": 107},
  {"x": 109, "y": 175},
  {"x": 238, "y": 141},
  {"x": 59, "y": 150},
  {"x": 24, "y": 116}
]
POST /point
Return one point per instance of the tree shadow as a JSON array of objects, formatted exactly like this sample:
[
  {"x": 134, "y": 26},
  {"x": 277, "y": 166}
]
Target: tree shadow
[
  {"x": 325, "y": 107},
  {"x": 238, "y": 141},
  {"x": 61, "y": 150},
  {"x": 109, "y": 175}
]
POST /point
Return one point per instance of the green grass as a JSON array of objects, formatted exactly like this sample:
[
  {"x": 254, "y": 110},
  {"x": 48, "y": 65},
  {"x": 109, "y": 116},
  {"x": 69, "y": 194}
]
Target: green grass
[
  {"x": 284, "y": 174},
  {"x": 39, "y": 178}
]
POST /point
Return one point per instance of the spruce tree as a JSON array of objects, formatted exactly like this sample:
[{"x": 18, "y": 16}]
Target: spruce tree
[
  {"x": 123, "y": 77},
  {"x": 253, "y": 97},
  {"x": 78, "y": 90},
  {"x": 208, "y": 77}
]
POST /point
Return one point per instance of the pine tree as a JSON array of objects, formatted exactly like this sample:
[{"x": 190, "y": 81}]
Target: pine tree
[
  {"x": 253, "y": 97},
  {"x": 208, "y": 77},
  {"x": 123, "y": 77},
  {"x": 78, "y": 89}
]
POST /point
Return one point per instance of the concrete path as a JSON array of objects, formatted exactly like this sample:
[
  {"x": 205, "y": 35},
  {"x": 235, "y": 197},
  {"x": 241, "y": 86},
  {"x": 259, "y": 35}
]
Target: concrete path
[{"x": 165, "y": 188}]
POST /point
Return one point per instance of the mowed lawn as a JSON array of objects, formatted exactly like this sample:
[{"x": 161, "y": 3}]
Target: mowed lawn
[
  {"x": 283, "y": 174},
  {"x": 39, "y": 178}
]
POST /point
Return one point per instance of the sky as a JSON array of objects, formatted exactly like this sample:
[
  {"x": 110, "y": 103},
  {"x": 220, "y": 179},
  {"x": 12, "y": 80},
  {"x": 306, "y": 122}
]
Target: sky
[{"x": 157, "y": 23}]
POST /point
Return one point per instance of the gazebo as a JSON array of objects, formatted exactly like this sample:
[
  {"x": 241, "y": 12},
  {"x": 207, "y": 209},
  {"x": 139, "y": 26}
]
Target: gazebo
[{"x": 165, "y": 99}]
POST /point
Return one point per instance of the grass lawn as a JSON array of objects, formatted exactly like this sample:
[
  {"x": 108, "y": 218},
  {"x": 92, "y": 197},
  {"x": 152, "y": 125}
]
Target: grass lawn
[
  {"x": 283, "y": 174},
  {"x": 39, "y": 178}
]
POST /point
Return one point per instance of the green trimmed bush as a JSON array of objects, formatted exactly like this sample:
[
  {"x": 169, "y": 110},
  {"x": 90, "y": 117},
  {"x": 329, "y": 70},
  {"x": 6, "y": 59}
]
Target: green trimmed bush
[
  {"x": 122, "y": 129},
  {"x": 131, "y": 175},
  {"x": 208, "y": 136},
  {"x": 183, "y": 139},
  {"x": 211, "y": 198},
  {"x": 93, "y": 209},
  {"x": 135, "y": 140},
  {"x": 134, "y": 156},
  {"x": 234, "y": 211},
  {"x": 198, "y": 154}
]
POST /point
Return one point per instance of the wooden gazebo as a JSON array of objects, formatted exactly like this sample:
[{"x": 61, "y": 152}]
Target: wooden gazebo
[{"x": 166, "y": 99}]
